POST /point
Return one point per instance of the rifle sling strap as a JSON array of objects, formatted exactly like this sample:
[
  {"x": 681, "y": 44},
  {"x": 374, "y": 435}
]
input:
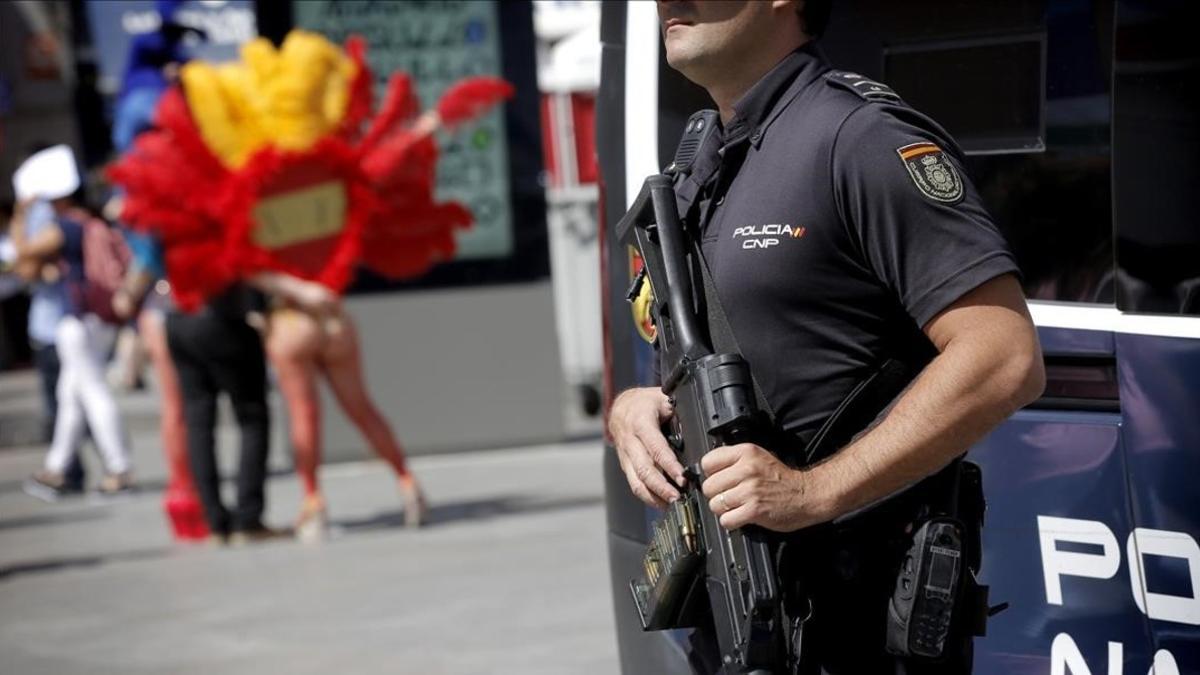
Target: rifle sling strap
[{"x": 720, "y": 332}]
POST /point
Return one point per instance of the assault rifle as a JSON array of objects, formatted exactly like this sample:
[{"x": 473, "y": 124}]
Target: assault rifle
[{"x": 693, "y": 566}]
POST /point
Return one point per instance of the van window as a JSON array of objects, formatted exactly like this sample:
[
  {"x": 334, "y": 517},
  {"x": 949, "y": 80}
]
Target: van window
[
  {"x": 1156, "y": 151},
  {"x": 1024, "y": 86}
]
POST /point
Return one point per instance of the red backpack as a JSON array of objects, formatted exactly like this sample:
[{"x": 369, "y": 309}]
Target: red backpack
[{"x": 106, "y": 258}]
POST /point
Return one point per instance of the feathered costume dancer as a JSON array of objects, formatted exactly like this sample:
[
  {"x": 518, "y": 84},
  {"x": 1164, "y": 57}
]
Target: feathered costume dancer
[{"x": 271, "y": 164}]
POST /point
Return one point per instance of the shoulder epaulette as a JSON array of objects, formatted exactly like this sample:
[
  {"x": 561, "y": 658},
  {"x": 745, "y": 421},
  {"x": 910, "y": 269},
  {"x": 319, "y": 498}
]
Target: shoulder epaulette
[{"x": 865, "y": 87}]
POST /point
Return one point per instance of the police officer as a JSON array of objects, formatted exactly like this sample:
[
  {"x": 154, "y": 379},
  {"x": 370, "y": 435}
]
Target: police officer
[{"x": 841, "y": 230}]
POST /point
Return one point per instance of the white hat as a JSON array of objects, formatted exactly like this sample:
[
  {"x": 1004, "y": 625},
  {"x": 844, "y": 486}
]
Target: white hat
[{"x": 49, "y": 174}]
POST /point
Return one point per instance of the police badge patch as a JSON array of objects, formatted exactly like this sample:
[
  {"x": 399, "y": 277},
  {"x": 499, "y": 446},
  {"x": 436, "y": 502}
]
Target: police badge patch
[{"x": 934, "y": 175}]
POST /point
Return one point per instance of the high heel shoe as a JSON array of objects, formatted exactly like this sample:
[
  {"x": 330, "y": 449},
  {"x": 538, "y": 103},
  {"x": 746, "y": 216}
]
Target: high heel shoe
[
  {"x": 416, "y": 511},
  {"x": 312, "y": 525}
]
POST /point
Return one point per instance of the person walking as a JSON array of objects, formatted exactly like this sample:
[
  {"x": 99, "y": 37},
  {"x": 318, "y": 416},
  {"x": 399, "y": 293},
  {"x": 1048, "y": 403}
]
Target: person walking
[
  {"x": 305, "y": 347},
  {"x": 82, "y": 343},
  {"x": 47, "y": 305},
  {"x": 215, "y": 350}
]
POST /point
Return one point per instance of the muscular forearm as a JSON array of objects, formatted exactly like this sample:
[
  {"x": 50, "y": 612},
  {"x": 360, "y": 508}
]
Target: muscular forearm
[
  {"x": 969, "y": 388},
  {"x": 988, "y": 365}
]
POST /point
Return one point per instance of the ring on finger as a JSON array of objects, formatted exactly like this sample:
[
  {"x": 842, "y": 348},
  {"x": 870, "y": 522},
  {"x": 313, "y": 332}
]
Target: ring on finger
[{"x": 724, "y": 504}]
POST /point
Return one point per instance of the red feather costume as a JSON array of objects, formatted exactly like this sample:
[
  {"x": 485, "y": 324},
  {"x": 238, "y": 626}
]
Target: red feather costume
[{"x": 366, "y": 193}]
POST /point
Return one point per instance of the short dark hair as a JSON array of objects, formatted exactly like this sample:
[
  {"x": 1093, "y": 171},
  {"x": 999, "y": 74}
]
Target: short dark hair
[{"x": 814, "y": 14}]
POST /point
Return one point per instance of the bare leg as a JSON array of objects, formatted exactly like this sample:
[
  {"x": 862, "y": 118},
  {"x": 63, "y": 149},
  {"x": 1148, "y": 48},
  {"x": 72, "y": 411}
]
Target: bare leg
[
  {"x": 293, "y": 341},
  {"x": 152, "y": 326},
  {"x": 342, "y": 364}
]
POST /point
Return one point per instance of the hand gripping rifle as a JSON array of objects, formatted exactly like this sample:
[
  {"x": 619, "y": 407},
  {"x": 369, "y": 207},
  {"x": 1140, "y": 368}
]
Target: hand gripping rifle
[{"x": 693, "y": 564}]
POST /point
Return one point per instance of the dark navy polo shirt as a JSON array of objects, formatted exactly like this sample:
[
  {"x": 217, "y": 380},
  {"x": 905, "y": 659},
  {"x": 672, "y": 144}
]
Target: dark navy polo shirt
[{"x": 837, "y": 221}]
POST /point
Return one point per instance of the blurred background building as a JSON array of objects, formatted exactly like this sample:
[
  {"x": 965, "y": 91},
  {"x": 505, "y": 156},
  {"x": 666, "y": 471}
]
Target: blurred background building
[{"x": 500, "y": 346}]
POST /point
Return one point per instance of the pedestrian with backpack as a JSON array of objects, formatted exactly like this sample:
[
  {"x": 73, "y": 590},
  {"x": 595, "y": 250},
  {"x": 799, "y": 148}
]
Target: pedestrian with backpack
[{"x": 90, "y": 258}]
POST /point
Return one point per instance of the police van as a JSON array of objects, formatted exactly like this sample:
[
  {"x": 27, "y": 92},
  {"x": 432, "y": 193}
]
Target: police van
[{"x": 1081, "y": 124}]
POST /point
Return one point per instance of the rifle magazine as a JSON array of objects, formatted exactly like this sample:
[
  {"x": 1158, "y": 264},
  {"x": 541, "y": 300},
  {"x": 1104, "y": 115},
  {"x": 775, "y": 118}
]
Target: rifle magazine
[{"x": 666, "y": 595}]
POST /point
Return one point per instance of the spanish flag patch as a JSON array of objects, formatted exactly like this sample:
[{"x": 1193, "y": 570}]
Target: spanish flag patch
[{"x": 932, "y": 172}]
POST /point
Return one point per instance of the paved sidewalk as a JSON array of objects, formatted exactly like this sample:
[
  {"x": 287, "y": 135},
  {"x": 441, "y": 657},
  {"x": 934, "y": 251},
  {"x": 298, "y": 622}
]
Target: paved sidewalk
[{"x": 510, "y": 577}]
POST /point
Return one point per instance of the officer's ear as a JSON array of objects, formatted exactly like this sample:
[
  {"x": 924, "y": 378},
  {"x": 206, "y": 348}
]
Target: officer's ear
[{"x": 788, "y": 9}]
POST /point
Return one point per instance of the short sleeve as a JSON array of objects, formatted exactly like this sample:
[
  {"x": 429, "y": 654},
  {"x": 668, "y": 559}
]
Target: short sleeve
[{"x": 912, "y": 211}]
